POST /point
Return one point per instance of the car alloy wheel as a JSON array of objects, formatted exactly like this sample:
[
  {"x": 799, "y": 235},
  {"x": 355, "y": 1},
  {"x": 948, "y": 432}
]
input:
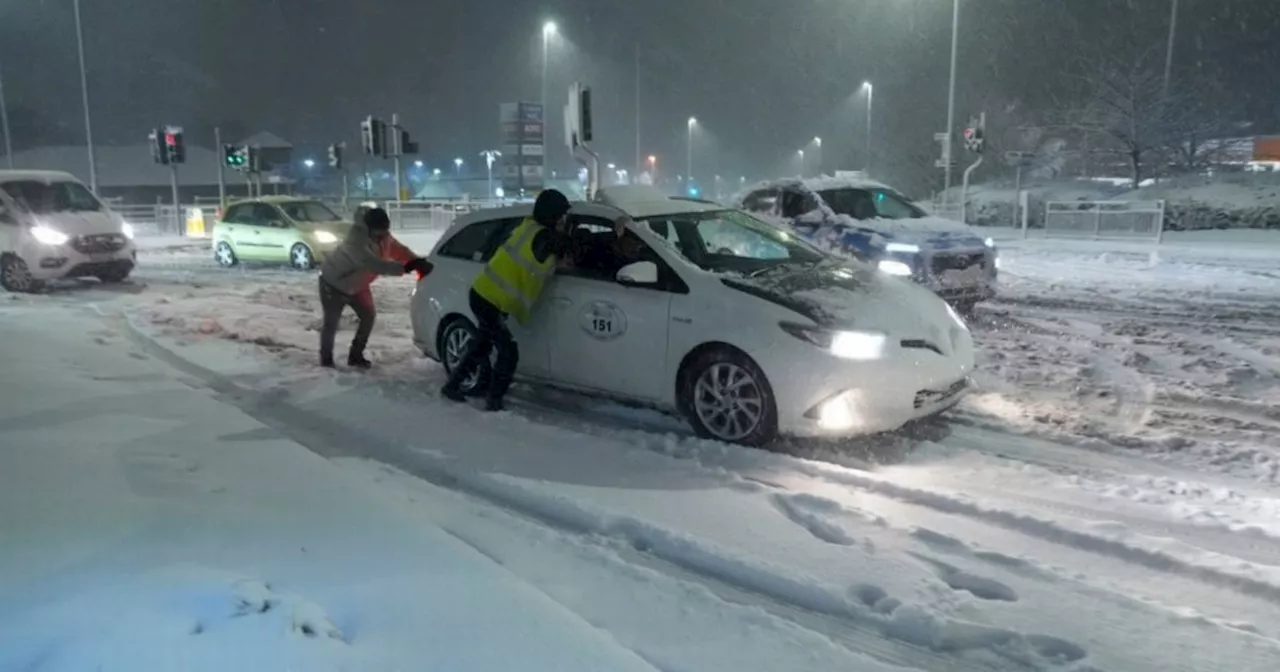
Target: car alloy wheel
[
  {"x": 728, "y": 401},
  {"x": 16, "y": 276},
  {"x": 455, "y": 343},
  {"x": 300, "y": 257},
  {"x": 224, "y": 255}
]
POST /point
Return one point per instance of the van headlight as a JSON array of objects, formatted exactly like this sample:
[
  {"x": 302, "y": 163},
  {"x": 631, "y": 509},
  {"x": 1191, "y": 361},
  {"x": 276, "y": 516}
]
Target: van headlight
[
  {"x": 894, "y": 267},
  {"x": 325, "y": 237},
  {"x": 127, "y": 229},
  {"x": 990, "y": 242},
  {"x": 48, "y": 236},
  {"x": 856, "y": 345}
]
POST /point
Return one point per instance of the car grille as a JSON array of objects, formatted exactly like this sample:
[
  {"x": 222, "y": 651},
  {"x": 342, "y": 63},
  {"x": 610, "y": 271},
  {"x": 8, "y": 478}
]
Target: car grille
[
  {"x": 957, "y": 262},
  {"x": 931, "y": 397},
  {"x": 102, "y": 242}
]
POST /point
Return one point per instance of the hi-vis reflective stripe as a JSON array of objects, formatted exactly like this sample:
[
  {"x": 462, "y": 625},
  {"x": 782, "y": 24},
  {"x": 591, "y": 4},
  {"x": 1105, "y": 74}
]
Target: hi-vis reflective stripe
[
  {"x": 513, "y": 250},
  {"x": 506, "y": 288}
]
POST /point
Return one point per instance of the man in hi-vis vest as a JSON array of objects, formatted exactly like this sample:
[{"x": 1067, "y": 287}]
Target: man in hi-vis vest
[{"x": 510, "y": 285}]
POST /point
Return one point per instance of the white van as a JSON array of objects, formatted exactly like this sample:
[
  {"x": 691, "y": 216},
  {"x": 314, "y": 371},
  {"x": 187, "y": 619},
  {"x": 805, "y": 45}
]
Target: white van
[{"x": 52, "y": 227}]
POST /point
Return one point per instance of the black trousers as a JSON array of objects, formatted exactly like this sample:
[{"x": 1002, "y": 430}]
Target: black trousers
[
  {"x": 492, "y": 333},
  {"x": 333, "y": 302}
]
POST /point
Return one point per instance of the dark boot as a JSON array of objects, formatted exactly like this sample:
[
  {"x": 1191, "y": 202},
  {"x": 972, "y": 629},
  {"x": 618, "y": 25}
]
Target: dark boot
[
  {"x": 357, "y": 360},
  {"x": 326, "y": 361},
  {"x": 452, "y": 393},
  {"x": 493, "y": 404}
]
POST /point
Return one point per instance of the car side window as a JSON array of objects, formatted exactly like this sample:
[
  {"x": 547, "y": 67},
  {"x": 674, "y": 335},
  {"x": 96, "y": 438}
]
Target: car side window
[
  {"x": 473, "y": 242},
  {"x": 238, "y": 214},
  {"x": 761, "y": 201},
  {"x": 796, "y": 204},
  {"x": 601, "y": 254},
  {"x": 266, "y": 215}
]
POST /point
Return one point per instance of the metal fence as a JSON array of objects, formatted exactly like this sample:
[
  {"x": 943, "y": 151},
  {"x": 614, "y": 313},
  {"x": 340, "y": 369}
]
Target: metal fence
[
  {"x": 432, "y": 215},
  {"x": 1135, "y": 220}
]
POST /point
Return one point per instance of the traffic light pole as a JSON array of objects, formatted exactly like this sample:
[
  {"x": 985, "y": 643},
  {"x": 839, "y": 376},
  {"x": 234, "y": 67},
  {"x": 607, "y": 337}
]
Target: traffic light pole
[
  {"x": 222, "y": 175},
  {"x": 177, "y": 208}
]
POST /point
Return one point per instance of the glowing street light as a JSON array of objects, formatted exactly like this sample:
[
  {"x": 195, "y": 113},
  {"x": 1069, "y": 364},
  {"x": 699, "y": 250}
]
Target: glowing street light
[
  {"x": 457, "y": 166},
  {"x": 417, "y": 164},
  {"x": 866, "y": 86},
  {"x": 435, "y": 172},
  {"x": 309, "y": 163},
  {"x": 692, "y": 123},
  {"x": 549, "y": 31},
  {"x": 490, "y": 155}
]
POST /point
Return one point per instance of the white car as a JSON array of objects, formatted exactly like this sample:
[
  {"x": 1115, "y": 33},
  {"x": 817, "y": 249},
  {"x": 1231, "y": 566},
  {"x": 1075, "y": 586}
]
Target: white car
[
  {"x": 744, "y": 329},
  {"x": 52, "y": 226}
]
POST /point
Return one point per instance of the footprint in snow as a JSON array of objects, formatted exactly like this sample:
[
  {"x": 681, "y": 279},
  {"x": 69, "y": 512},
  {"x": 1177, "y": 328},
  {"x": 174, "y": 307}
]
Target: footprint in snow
[{"x": 978, "y": 586}]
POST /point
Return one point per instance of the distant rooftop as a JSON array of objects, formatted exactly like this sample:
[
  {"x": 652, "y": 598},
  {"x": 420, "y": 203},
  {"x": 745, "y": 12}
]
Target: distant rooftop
[{"x": 122, "y": 166}]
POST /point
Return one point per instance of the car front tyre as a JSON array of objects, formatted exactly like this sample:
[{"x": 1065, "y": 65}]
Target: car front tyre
[
  {"x": 224, "y": 255},
  {"x": 726, "y": 397},
  {"x": 15, "y": 275},
  {"x": 455, "y": 339},
  {"x": 301, "y": 258}
]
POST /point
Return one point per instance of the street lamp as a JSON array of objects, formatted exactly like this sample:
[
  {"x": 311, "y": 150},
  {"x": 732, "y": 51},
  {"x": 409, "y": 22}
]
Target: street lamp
[
  {"x": 435, "y": 172},
  {"x": 689, "y": 145},
  {"x": 490, "y": 155},
  {"x": 417, "y": 164},
  {"x": 309, "y": 163},
  {"x": 866, "y": 86},
  {"x": 457, "y": 166},
  {"x": 817, "y": 154},
  {"x": 548, "y": 31},
  {"x": 84, "y": 95},
  {"x": 800, "y": 152},
  {"x": 951, "y": 101}
]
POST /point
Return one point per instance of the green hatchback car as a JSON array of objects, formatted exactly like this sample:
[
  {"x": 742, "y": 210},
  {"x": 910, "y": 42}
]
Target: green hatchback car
[{"x": 281, "y": 229}]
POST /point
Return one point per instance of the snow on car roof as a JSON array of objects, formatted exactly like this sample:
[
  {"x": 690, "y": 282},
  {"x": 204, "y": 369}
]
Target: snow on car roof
[
  {"x": 35, "y": 176},
  {"x": 641, "y": 200},
  {"x": 823, "y": 183}
]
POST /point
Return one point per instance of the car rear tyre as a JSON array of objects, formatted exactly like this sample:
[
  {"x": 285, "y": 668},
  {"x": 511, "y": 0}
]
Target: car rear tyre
[
  {"x": 116, "y": 276},
  {"x": 300, "y": 257},
  {"x": 224, "y": 255},
  {"x": 455, "y": 339},
  {"x": 726, "y": 397},
  {"x": 15, "y": 276}
]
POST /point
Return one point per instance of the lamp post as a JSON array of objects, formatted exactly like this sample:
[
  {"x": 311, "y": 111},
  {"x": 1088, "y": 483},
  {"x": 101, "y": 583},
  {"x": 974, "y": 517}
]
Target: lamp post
[
  {"x": 951, "y": 100},
  {"x": 457, "y": 166},
  {"x": 84, "y": 95},
  {"x": 689, "y": 146},
  {"x": 817, "y": 154},
  {"x": 866, "y": 86},
  {"x": 800, "y": 153},
  {"x": 548, "y": 31},
  {"x": 490, "y": 155}
]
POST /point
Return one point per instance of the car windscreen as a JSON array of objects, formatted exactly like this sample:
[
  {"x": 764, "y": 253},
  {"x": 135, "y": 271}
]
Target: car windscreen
[
  {"x": 731, "y": 241},
  {"x": 869, "y": 204},
  {"x": 309, "y": 211},
  {"x": 44, "y": 198}
]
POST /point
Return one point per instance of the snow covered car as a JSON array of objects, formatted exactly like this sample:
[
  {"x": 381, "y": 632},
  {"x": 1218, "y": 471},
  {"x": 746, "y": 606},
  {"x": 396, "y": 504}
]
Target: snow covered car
[
  {"x": 282, "y": 229},
  {"x": 744, "y": 329},
  {"x": 873, "y": 222},
  {"x": 52, "y": 227}
]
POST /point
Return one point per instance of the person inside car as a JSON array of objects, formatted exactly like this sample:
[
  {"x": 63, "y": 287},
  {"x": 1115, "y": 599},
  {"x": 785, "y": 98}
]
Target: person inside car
[{"x": 368, "y": 251}]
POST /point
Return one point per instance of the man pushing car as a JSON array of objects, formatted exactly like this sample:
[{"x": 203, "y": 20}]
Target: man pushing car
[{"x": 368, "y": 251}]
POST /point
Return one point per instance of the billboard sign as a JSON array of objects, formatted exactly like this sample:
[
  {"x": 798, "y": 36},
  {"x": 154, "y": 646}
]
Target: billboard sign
[{"x": 521, "y": 125}]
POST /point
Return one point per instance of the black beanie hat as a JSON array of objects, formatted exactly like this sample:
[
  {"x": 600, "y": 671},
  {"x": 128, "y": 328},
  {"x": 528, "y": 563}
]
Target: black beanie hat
[
  {"x": 550, "y": 207},
  {"x": 376, "y": 219}
]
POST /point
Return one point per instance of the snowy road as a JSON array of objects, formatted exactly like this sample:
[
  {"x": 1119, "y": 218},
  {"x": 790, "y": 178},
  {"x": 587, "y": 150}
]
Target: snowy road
[{"x": 1107, "y": 501}]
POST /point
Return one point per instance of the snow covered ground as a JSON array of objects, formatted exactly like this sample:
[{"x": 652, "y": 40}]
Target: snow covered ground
[{"x": 1107, "y": 501}]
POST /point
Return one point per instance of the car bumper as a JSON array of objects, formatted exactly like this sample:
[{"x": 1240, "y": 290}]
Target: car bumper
[
  {"x": 53, "y": 262},
  {"x": 820, "y": 395},
  {"x": 971, "y": 282}
]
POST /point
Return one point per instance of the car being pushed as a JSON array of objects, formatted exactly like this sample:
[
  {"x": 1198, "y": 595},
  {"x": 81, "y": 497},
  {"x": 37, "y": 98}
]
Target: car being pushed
[
  {"x": 279, "y": 229},
  {"x": 52, "y": 227},
  {"x": 858, "y": 217},
  {"x": 744, "y": 329}
]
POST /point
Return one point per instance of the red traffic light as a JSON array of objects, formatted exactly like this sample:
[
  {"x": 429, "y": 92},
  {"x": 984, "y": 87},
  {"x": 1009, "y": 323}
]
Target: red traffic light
[{"x": 170, "y": 139}]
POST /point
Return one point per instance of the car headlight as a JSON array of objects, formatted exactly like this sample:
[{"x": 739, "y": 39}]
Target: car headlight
[
  {"x": 325, "y": 237},
  {"x": 907, "y": 248},
  {"x": 857, "y": 345},
  {"x": 956, "y": 316},
  {"x": 894, "y": 267},
  {"x": 48, "y": 236},
  {"x": 127, "y": 229},
  {"x": 990, "y": 242}
]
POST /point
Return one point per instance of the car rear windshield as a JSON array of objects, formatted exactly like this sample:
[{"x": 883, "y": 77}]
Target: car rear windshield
[
  {"x": 43, "y": 198},
  {"x": 870, "y": 204},
  {"x": 731, "y": 241},
  {"x": 309, "y": 211}
]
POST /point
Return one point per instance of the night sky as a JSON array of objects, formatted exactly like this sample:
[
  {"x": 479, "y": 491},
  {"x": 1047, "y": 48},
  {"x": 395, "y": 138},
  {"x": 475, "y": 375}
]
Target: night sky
[{"x": 763, "y": 78}]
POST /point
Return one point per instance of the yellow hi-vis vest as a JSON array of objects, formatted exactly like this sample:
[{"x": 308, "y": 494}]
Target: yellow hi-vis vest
[{"x": 513, "y": 278}]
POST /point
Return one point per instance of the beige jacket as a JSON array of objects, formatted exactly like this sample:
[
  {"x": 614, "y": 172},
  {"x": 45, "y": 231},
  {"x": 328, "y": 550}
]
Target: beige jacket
[{"x": 358, "y": 261}]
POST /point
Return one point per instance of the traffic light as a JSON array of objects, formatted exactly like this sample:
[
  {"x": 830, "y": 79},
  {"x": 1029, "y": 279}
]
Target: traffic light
[
  {"x": 175, "y": 148},
  {"x": 253, "y": 159},
  {"x": 236, "y": 158},
  {"x": 335, "y": 156},
  {"x": 159, "y": 153},
  {"x": 373, "y": 135},
  {"x": 403, "y": 144}
]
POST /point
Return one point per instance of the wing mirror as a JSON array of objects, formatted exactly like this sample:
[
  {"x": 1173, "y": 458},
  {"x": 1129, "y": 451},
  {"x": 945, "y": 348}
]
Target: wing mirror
[{"x": 639, "y": 273}]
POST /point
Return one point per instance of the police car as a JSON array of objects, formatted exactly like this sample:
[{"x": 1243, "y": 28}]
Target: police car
[
  {"x": 855, "y": 216},
  {"x": 745, "y": 329}
]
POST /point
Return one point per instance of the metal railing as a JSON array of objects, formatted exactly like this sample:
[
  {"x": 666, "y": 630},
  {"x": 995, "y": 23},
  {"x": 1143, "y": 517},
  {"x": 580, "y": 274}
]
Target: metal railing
[
  {"x": 432, "y": 215},
  {"x": 1134, "y": 220}
]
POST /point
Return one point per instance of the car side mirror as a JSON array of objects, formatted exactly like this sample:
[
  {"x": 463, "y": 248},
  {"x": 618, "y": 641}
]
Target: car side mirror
[{"x": 639, "y": 273}]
